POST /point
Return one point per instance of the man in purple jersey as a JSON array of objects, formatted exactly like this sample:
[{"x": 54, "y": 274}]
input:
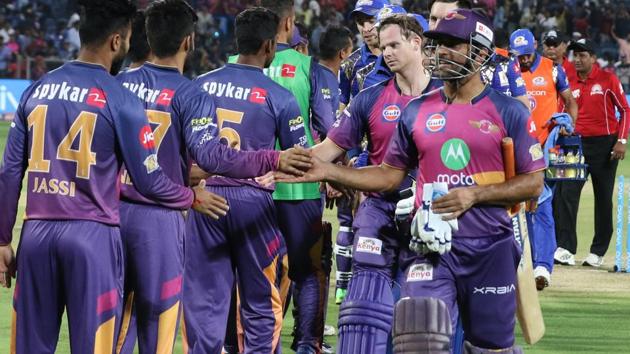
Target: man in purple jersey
[
  {"x": 366, "y": 313},
  {"x": 453, "y": 136},
  {"x": 73, "y": 129},
  {"x": 253, "y": 112},
  {"x": 183, "y": 128}
]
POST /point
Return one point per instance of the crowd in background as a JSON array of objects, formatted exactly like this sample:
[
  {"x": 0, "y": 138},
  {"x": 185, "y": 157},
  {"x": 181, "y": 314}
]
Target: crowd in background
[{"x": 42, "y": 34}]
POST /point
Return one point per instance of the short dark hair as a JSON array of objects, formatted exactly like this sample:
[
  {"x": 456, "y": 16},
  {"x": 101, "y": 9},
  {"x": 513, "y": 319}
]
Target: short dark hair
[
  {"x": 138, "y": 45},
  {"x": 462, "y": 4},
  {"x": 408, "y": 25},
  {"x": 101, "y": 18},
  {"x": 168, "y": 23},
  {"x": 333, "y": 40},
  {"x": 282, "y": 8},
  {"x": 254, "y": 26}
]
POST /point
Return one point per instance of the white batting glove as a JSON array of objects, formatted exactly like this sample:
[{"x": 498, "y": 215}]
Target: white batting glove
[{"x": 429, "y": 233}]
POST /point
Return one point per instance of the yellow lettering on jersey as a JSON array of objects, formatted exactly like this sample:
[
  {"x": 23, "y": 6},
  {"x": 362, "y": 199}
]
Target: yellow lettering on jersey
[{"x": 54, "y": 186}]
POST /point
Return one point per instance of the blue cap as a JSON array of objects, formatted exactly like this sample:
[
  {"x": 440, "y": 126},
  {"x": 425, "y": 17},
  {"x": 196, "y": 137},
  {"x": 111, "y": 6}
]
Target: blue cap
[
  {"x": 522, "y": 42},
  {"x": 387, "y": 11},
  {"x": 422, "y": 21},
  {"x": 297, "y": 38},
  {"x": 369, "y": 7}
]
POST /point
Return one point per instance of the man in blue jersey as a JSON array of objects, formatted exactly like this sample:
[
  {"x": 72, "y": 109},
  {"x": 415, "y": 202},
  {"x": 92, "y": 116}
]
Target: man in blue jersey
[
  {"x": 183, "y": 127},
  {"x": 253, "y": 113},
  {"x": 364, "y": 15},
  {"x": 72, "y": 130}
]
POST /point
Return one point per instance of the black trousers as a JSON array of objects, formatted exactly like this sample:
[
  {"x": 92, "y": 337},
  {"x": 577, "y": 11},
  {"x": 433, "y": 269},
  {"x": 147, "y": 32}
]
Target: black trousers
[{"x": 567, "y": 197}]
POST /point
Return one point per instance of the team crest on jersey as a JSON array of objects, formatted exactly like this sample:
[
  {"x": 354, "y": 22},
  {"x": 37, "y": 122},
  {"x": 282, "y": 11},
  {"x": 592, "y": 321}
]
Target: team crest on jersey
[
  {"x": 535, "y": 151},
  {"x": 596, "y": 90},
  {"x": 520, "y": 82},
  {"x": 151, "y": 163},
  {"x": 391, "y": 113},
  {"x": 576, "y": 93},
  {"x": 436, "y": 123},
  {"x": 539, "y": 81},
  {"x": 96, "y": 97},
  {"x": 288, "y": 70},
  {"x": 146, "y": 137},
  {"x": 485, "y": 126},
  {"x": 420, "y": 272}
]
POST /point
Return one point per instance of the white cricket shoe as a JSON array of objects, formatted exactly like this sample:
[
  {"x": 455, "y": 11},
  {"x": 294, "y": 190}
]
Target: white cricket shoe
[
  {"x": 593, "y": 260},
  {"x": 329, "y": 330},
  {"x": 564, "y": 257},
  {"x": 542, "y": 277}
]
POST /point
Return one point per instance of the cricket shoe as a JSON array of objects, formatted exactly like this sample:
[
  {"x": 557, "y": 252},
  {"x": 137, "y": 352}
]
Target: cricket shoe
[
  {"x": 593, "y": 260},
  {"x": 542, "y": 277},
  {"x": 329, "y": 331},
  {"x": 564, "y": 257},
  {"x": 327, "y": 348}
]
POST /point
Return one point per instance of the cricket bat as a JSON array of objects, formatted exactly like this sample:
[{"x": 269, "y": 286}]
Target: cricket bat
[{"x": 528, "y": 309}]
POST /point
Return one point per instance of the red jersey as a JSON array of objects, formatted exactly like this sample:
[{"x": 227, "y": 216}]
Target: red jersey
[{"x": 597, "y": 97}]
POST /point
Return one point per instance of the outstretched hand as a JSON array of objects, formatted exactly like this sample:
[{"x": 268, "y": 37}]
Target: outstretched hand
[
  {"x": 209, "y": 203},
  {"x": 295, "y": 161},
  {"x": 316, "y": 173},
  {"x": 7, "y": 265}
]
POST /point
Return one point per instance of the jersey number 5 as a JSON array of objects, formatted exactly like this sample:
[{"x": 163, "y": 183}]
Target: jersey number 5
[
  {"x": 82, "y": 128},
  {"x": 229, "y": 134}
]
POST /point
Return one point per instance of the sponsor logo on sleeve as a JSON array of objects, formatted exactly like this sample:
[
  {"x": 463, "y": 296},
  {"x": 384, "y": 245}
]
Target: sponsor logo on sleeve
[
  {"x": 165, "y": 97},
  {"x": 536, "y": 152},
  {"x": 202, "y": 123},
  {"x": 391, "y": 113},
  {"x": 288, "y": 70},
  {"x": 96, "y": 97},
  {"x": 435, "y": 123},
  {"x": 420, "y": 272},
  {"x": 369, "y": 245},
  {"x": 146, "y": 137},
  {"x": 296, "y": 123},
  {"x": 151, "y": 163}
]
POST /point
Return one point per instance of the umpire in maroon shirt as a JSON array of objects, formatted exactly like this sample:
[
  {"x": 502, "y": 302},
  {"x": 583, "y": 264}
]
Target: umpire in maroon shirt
[{"x": 599, "y": 95}]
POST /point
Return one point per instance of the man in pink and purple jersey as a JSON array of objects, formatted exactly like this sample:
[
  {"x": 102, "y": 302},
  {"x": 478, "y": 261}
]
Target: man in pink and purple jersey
[
  {"x": 366, "y": 313},
  {"x": 253, "y": 113},
  {"x": 184, "y": 126},
  {"x": 73, "y": 129},
  {"x": 453, "y": 136}
]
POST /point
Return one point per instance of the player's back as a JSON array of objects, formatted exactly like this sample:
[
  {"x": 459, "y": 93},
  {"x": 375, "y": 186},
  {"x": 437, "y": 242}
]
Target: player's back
[
  {"x": 167, "y": 96},
  {"x": 250, "y": 107},
  {"x": 70, "y": 117}
]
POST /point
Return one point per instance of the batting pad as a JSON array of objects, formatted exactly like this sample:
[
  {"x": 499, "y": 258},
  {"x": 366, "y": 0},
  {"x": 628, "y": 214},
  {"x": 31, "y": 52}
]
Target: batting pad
[{"x": 422, "y": 325}]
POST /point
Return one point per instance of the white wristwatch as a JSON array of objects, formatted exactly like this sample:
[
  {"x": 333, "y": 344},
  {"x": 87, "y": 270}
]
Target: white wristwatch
[{"x": 623, "y": 141}]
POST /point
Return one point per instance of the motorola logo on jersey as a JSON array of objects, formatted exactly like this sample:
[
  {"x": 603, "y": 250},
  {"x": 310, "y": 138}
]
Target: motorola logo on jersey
[
  {"x": 288, "y": 70},
  {"x": 146, "y": 137},
  {"x": 229, "y": 90},
  {"x": 436, "y": 123},
  {"x": 391, "y": 113},
  {"x": 165, "y": 97},
  {"x": 65, "y": 92},
  {"x": 455, "y": 154},
  {"x": 258, "y": 95}
]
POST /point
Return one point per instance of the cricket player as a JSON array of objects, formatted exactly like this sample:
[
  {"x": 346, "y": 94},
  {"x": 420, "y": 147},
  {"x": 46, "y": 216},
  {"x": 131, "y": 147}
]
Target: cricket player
[
  {"x": 73, "y": 129},
  {"x": 183, "y": 122},
  {"x": 366, "y": 313},
  {"x": 477, "y": 276},
  {"x": 253, "y": 112}
]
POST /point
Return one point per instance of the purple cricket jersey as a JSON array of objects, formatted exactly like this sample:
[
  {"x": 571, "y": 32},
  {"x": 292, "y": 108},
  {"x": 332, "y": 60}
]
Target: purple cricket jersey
[
  {"x": 253, "y": 112},
  {"x": 72, "y": 131},
  {"x": 183, "y": 123},
  {"x": 460, "y": 144}
]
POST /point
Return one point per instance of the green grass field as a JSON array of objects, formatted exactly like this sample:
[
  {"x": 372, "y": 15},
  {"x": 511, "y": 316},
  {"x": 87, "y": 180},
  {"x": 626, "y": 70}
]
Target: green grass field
[{"x": 586, "y": 310}]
